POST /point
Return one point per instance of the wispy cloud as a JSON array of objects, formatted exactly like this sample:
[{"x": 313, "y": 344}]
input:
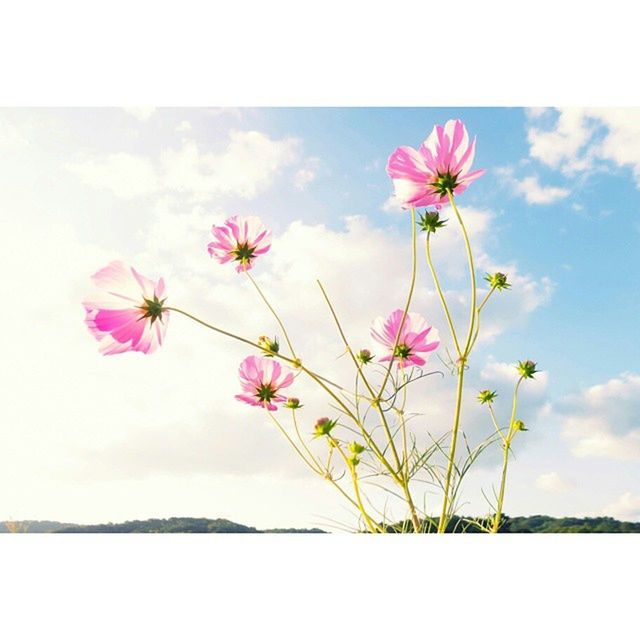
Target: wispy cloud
[
  {"x": 530, "y": 188},
  {"x": 245, "y": 168}
]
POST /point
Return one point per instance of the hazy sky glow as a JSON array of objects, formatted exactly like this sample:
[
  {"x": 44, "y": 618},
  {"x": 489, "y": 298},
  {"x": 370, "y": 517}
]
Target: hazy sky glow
[{"x": 90, "y": 439}]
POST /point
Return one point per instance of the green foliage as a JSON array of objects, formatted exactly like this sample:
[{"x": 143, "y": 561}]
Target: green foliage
[{"x": 458, "y": 524}]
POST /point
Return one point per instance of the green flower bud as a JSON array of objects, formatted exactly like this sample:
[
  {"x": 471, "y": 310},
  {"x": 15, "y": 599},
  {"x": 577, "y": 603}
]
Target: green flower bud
[
  {"x": 497, "y": 280},
  {"x": 526, "y": 368},
  {"x": 487, "y": 396},
  {"x": 430, "y": 221},
  {"x": 356, "y": 448},
  {"x": 269, "y": 346},
  {"x": 323, "y": 427},
  {"x": 292, "y": 403},
  {"x": 518, "y": 425},
  {"x": 364, "y": 356}
]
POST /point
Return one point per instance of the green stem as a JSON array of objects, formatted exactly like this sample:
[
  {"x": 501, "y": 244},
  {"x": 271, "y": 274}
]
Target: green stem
[
  {"x": 373, "y": 527},
  {"x": 399, "y": 476},
  {"x": 472, "y": 275},
  {"x": 275, "y": 315},
  {"x": 295, "y": 362},
  {"x": 444, "y": 515},
  {"x": 480, "y": 308},
  {"x": 414, "y": 269},
  {"x": 443, "y": 300},
  {"x": 505, "y": 461}
]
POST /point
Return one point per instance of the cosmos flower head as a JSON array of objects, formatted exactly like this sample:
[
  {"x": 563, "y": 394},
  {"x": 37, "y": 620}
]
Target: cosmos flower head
[
  {"x": 240, "y": 239},
  {"x": 261, "y": 379},
  {"x": 423, "y": 177},
  {"x": 126, "y": 311},
  {"x": 414, "y": 337}
]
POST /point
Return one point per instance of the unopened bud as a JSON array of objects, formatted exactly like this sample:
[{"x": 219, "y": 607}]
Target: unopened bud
[
  {"x": 323, "y": 427},
  {"x": 526, "y": 368},
  {"x": 269, "y": 346},
  {"x": 497, "y": 280},
  {"x": 487, "y": 396}
]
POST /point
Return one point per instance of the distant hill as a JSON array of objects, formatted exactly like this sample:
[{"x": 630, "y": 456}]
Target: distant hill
[
  {"x": 155, "y": 525},
  {"x": 530, "y": 524}
]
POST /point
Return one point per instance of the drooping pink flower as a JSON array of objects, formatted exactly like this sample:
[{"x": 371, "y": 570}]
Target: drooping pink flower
[
  {"x": 412, "y": 341},
  {"x": 241, "y": 239},
  {"x": 422, "y": 177},
  {"x": 125, "y": 312},
  {"x": 261, "y": 379}
]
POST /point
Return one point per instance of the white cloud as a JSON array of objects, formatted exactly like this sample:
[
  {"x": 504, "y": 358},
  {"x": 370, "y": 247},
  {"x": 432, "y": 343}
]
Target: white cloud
[
  {"x": 604, "y": 420},
  {"x": 392, "y": 205},
  {"x": 141, "y": 113},
  {"x": 247, "y": 166},
  {"x": 126, "y": 175},
  {"x": 626, "y": 507},
  {"x": 121, "y": 426},
  {"x": 553, "y": 482},
  {"x": 506, "y": 373},
  {"x": 306, "y": 174},
  {"x": 531, "y": 190},
  {"x": 581, "y": 138},
  {"x": 184, "y": 127}
]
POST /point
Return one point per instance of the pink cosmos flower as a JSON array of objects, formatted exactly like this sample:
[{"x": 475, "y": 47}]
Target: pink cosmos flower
[
  {"x": 261, "y": 379},
  {"x": 240, "y": 238},
  {"x": 422, "y": 177},
  {"x": 413, "y": 337},
  {"x": 125, "y": 312}
]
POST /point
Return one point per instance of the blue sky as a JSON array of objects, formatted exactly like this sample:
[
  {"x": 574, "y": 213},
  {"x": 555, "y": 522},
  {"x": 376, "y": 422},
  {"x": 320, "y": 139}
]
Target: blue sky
[{"x": 559, "y": 204}]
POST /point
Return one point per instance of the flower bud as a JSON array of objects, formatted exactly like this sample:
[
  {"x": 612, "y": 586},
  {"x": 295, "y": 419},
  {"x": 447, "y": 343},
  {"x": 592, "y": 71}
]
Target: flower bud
[
  {"x": 269, "y": 346},
  {"x": 497, "y": 280},
  {"x": 518, "y": 425},
  {"x": 526, "y": 368},
  {"x": 355, "y": 449},
  {"x": 430, "y": 221},
  {"x": 364, "y": 356},
  {"x": 323, "y": 427},
  {"x": 292, "y": 403},
  {"x": 486, "y": 396}
]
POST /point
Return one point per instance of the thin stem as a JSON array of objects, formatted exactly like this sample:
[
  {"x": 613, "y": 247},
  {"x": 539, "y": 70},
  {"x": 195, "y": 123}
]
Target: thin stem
[
  {"x": 295, "y": 362},
  {"x": 505, "y": 461},
  {"x": 440, "y": 292},
  {"x": 400, "y": 476},
  {"x": 444, "y": 515},
  {"x": 373, "y": 527},
  {"x": 414, "y": 268},
  {"x": 446, "y": 502},
  {"x": 495, "y": 423},
  {"x": 304, "y": 444},
  {"x": 291, "y": 442},
  {"x": 472, "y": 276},
  {"x": 273, "y": 311},
  {"x": 479, "y": 309}
]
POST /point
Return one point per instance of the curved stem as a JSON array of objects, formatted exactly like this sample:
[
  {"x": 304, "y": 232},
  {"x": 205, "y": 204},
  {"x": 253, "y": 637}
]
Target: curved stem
[
  {"x": 443, "y": 300},
  {"x": 400, "y": 476},
  {"x": 291, "y": 442},
  {"x": 472, "y": 276},
  {"x": 505, "y": 461},
  {"x": 444, "y": 514},
  {"x": 479, "y": 309},
  {"x": 296, "y": 363},
  {"x": 274, "y": 313},
  {"x": 373, "y": 527},
  {"x": 304, "y": 444},
  {"x": 414, "y": 268}
]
